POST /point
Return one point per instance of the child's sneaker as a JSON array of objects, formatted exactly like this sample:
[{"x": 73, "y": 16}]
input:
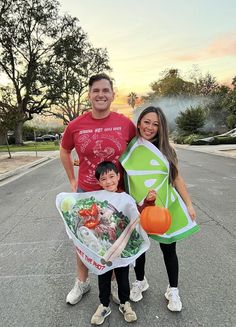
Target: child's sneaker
[
  {"x": 172, "y": 295},
  {"x": 126, "y": 310},
  {"x": 100, "y": 315},
  {"x": 79, "y": 289},
  {"x": 137, "y": 289},
  {"x": 114, "y": 292}
]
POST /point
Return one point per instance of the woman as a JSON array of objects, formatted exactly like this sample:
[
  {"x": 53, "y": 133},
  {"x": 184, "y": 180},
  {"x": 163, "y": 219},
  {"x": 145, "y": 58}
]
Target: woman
[{"x": 152, "y": 127}]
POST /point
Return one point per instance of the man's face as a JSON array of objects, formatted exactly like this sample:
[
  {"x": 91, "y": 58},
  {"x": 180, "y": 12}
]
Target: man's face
[{"x": 101, "y": 96}]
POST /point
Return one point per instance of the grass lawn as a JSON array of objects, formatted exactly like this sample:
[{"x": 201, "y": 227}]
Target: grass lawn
[{"x": 39, "y": 146}]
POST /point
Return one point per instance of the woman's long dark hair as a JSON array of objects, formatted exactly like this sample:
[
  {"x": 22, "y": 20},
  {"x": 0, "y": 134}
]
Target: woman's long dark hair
[{"x": 161, "y": 140}]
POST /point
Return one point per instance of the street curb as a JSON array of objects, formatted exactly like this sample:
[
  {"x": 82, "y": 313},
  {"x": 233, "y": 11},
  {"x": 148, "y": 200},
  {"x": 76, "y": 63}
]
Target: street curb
[
  {"x": 23, "y": 168},
  {"x": 223, "y": 152}
]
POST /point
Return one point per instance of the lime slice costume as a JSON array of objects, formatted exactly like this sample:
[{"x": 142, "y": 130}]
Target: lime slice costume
[{"x": 147, "y": 168}]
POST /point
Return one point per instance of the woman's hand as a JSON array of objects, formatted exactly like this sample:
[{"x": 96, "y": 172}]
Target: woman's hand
[
  {"x": 183, "y": 192},
  {"x": 191, "y": 212}
]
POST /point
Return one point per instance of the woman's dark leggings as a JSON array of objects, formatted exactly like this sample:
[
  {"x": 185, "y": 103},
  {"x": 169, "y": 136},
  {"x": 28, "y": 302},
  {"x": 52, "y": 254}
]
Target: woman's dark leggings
[{"x": 171, "y": 263}]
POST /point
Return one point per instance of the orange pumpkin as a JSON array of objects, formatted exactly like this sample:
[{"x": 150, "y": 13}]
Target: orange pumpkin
[{"x": 155, "y": 220}]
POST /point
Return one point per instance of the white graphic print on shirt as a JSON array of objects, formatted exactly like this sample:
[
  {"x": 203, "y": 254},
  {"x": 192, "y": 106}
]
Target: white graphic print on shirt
[{"x": 95, "y": 146}]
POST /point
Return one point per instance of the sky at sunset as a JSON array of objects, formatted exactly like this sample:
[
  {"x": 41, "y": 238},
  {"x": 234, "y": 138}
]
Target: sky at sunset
[{"x": 143, "y": 38}]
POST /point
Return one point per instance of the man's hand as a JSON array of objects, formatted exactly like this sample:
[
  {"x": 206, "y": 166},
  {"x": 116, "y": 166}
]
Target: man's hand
[
  {"x": 73, "y": 185},
  {"x": 76, "y": 162}
]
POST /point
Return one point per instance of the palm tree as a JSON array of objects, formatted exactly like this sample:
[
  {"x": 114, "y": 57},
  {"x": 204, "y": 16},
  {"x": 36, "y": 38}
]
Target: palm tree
[{"x": 132, "y": 99}]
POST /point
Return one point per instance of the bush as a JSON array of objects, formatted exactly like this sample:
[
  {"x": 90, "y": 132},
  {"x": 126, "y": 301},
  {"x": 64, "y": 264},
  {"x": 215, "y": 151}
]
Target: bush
[
  {"x": 28, "y": 133},
  {"x": 179, "y": 139},
  {"x": 199, "y": 142},
  {"x": 11, "y": 139},
  {"x": 223, "y": 140},
  {"x": 191, "y": 120},
  {"x": 216, "y": 140},
  {"x": 231, "y": 120},
  {"x": 187, "y": 139},
  {"x": 191, "y": 138}
]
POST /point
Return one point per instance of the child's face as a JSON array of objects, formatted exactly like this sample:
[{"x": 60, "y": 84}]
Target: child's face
[{"x": 109, "y": 181}]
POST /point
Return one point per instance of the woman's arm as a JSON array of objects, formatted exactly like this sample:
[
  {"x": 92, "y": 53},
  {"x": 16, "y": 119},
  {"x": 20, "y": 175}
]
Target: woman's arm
[
  {"x": 67, "y": 162},
  {"x": 180, "y": 186}
]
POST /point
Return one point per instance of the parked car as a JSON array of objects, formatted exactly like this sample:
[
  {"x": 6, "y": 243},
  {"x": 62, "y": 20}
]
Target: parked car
[
  {"x": 49, "y": 137},
  {"x": 231, "y": 133},
  {"x": 39, "y": 139}
]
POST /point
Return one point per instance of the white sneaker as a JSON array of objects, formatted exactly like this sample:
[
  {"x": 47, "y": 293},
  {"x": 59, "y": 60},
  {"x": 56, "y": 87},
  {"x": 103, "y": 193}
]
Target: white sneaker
[
  {"x": 114, "y": 292},
  {"x": 172, "y": 295},
  {"x": 79, "y": 289},
  {"x": 137, "y": 289},
  {"x": 100, "y": 315},
  {"x": 128, "y": 312}
]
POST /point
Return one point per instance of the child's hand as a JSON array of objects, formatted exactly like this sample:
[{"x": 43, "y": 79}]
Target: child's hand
[{"x": 151, "y": 196}]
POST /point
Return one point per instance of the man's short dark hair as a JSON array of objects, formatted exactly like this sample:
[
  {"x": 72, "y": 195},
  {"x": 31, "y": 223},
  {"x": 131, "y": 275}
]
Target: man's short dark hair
[
  {"x": 98, "y": 77},
  {"x": 105, "y": 167}
]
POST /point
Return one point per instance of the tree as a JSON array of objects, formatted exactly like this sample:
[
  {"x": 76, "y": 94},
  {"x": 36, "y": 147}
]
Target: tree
[
  {"x": 216, "y": 108},
  {"x": 204, "y": 84},
  {"x": 230, "y": 105},
  {"x": 8, "y": 120},
  {"x": 37, "y": 58},
  {"x": 191, "y": 120},
  {"x": 132, "y": 99},
  {"x": 67, "y": 73},
  {"x": 4, "y": 7},
  {"x": 171, "y": 85},
  {"x": 220, "y": 104},
  {"x": 27, "y": 30},
  {"x": 234, "y": 82}
]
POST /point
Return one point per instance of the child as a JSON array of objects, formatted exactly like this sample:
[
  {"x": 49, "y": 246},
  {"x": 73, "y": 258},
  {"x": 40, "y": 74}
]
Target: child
[{"x": 108, "y": 177}]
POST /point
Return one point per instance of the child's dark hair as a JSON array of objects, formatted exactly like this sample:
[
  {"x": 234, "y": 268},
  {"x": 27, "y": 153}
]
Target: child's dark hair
[{"x": 104, "y": 167}]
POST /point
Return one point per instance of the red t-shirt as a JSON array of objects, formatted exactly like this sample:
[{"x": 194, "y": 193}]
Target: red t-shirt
[{"x": 96, "y": 140}]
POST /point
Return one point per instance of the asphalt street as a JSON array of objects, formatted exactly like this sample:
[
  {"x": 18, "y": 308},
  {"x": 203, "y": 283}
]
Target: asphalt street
[{"x": 37, "y": 262}]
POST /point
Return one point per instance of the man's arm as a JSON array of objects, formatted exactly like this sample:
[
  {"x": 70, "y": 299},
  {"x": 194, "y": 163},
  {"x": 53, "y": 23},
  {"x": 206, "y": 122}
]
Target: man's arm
[{"x": 67, "y": 162}]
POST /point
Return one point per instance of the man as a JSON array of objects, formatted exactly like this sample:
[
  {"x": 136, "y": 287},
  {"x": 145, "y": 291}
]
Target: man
[{"x": 97, "y": 136}]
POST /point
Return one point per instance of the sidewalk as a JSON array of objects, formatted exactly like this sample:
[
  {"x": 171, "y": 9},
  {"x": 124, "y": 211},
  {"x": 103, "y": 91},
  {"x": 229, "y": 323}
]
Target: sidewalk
[
  {"x": 225, "y": 150},
  {"x": 22, "y": 161}
]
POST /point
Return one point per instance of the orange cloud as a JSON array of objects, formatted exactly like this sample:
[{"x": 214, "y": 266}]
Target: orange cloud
[{"x": 223, "y": 46}]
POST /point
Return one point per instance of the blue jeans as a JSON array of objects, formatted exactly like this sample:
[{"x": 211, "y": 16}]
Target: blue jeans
[{"x": 79, "y": 190}]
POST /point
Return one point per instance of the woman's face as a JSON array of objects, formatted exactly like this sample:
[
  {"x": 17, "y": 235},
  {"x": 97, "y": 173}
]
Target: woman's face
[{"x": 148, "y": 126}]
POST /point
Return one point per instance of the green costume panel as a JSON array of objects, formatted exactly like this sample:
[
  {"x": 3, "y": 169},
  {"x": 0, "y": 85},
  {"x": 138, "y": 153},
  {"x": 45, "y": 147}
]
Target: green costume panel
[{"x": 147, "y": 168}]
